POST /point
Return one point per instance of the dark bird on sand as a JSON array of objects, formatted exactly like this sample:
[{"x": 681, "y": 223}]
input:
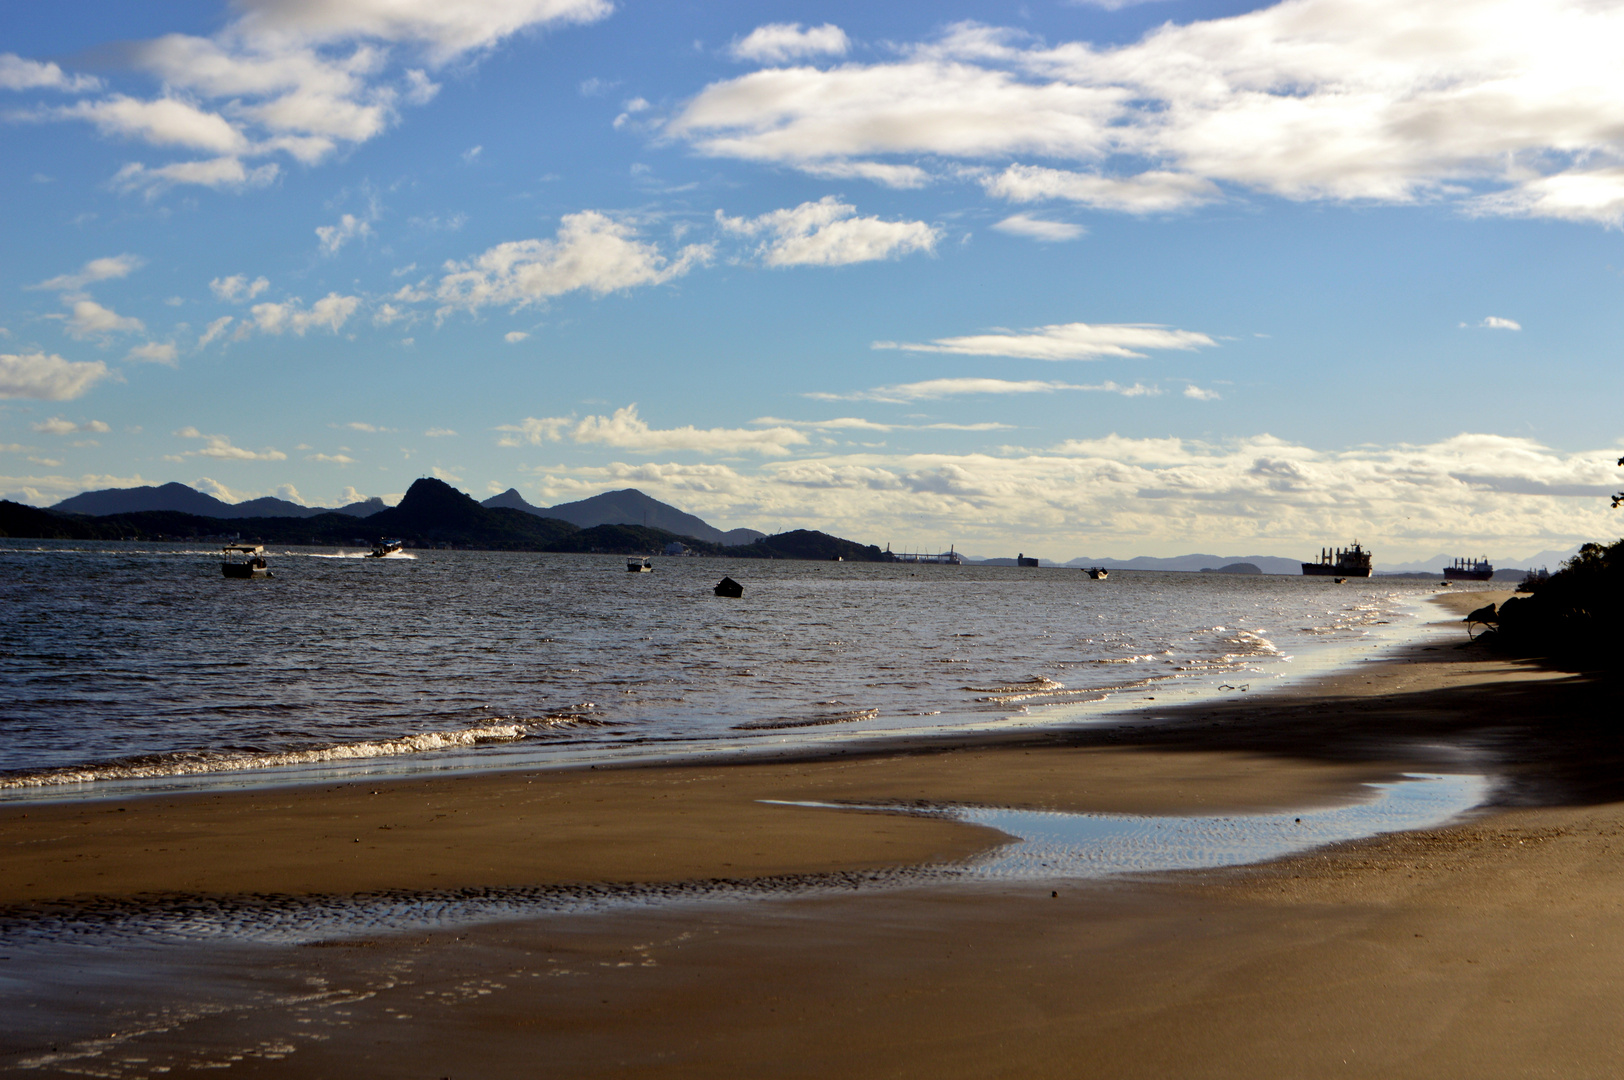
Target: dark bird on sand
[{"x": 1483, "y": 616}]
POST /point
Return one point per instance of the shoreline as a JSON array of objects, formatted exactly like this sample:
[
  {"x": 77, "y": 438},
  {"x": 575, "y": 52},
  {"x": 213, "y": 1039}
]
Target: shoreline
[
  {"x": 1490, "y": 946},
  {"x": 516, "y": 827}
]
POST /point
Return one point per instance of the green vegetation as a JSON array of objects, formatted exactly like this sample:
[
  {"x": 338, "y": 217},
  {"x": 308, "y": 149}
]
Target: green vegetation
[{"x": 1575, "y": 616}]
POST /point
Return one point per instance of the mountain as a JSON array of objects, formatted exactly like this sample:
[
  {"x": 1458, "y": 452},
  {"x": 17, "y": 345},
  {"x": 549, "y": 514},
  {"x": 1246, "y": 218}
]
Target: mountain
[
  {"x": 1436, "y": 564},
  {"x": 627, "y": 507},
  {"x": 364, "y": 508},
  {"x": 184, "y": 500}
]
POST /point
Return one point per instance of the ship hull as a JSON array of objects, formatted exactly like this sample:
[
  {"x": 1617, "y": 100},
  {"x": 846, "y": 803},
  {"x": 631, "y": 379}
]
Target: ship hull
[
  {"x": 1452, "y": 574},
  {"x": 1329, "y": 570}
]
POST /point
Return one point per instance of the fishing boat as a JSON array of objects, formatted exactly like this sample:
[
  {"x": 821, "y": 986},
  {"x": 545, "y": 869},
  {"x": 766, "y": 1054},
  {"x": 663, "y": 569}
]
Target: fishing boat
[
  {"x": 1469, "y": 570},
  {"x": 1342, "y": 562},
  {"x": 638, "y": 564},
  {"x": 384, "y": 548},
  {"x": 244, "y": 561},
  {"x": 1098, "y": 573}
]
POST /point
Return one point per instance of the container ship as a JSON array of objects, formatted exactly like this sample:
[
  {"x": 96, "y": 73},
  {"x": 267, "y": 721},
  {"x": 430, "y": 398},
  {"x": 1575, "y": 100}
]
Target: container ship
[
  {"x": 1342, "y": 562},
  {"x": 1469, "y": 570}
]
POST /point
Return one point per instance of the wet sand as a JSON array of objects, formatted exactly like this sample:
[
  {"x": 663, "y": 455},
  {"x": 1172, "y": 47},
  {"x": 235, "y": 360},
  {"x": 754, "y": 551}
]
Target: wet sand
[{"x": 1491, "y": 948}]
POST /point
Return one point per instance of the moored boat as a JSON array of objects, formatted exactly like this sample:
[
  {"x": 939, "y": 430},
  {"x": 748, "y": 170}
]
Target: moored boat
[
  {"x": 1341, "y": 562},
  {"x": 1098, "y": 573},
  {"x": 1469, "y": 570},
  {"x": 244, "y": 561},
  {"x": 638, "y": 564}
]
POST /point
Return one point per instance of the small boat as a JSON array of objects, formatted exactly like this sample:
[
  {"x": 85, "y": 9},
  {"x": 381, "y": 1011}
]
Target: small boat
[
  {"x": 638, "y": 564},
  {"x": 1098, "y": 573},
  {"x": 384, "y": 548},
  {"x": 730, "y": 588},
  {"x": 244, "y": 561}
]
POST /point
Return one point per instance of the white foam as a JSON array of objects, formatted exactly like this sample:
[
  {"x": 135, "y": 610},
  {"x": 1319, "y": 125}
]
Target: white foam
[{"x": 423, "y": 742}]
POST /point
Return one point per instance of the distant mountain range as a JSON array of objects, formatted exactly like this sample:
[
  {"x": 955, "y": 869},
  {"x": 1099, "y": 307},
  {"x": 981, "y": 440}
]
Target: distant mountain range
[
  {"x": 627, "y": 507},
  {"x": 184, "y": 500},
  {"x": 432, "y": 514}
]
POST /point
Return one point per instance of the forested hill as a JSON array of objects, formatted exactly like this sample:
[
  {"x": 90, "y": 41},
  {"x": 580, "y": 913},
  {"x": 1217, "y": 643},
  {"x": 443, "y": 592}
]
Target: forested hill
[{"x": 433, "y": 513}]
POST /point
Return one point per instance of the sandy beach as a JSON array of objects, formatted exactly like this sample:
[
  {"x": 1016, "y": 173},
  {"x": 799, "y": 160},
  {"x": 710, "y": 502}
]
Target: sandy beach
[{"x": 1492, "y": 947}]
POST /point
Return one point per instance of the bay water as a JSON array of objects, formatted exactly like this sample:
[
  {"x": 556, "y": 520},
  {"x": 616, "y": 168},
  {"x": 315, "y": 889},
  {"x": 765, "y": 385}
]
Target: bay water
[{"x": 127, "y": 660}]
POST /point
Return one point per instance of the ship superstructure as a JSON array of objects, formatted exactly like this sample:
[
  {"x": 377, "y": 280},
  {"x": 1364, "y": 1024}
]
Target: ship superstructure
[
  {"x": 1469, "y": 570},
  {"x": 1340, "y": 562}
]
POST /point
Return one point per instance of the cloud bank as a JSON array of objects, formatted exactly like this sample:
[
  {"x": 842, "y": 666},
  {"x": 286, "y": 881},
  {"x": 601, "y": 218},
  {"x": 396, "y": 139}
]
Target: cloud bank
[{"x": 1391, "y": 101}]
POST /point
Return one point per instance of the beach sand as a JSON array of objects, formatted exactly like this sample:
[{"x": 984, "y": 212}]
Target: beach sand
[{"x": 1492, "y": 947}]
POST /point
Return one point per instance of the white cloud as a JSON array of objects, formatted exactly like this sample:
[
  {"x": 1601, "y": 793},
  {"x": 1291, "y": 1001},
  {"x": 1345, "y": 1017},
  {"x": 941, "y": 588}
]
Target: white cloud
[
  {"x": 47, "y": 377},
  {"x": 56, "y": 425},
  {"x": 775, "y": 43},
  {"x": 44, "y": 490},
  {"x": 592, "y": 252},
  {"x": 331, "y": 311},
  {"x": 331, "y": 459},
  {"x": 297, "y": 78},
  {"x": 825, "y": 233},
  {"x": 289, "y": 77},
  {"x": 349, "y": 228},
  {"x": 626, "y": 430},
  {"x": 1578, "y": 194},
  {"x": 213, "y": 331},
  {"x": 18, "y": 73},
  {"x": 90, "y": 319},
  {"x": 113, "y": 266},
  {"x": 1499, "y": 106},
  {"x": 513, "y": 337},
  {"x": 1115, "y": 496},
  {"x": 439, "y": 432},
  {"x": 1039, "y": 229},
  {"x": 1199, "y": 394},
  {"x": 1495, "y": 322},
  {"x": 160, "y": 122},
  {"x": 1147, "y": 193},
  {"x": 225, "y": 173},
  {"x": 237, "y": 287},
  {"x": 447, "y": 31},
  {"x": 933, "y": 389},
  {"x": 218, "y": 446},
  {"x": 1065, "y": 341},
  {"x": 154, "y": 352},
  {"x": 857, "y": 423}
]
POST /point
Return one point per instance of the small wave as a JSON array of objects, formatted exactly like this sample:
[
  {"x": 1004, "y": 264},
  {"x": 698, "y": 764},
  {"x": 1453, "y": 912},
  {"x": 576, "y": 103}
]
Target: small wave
[
  {"x": 194, "y": 765},
  {"x": 849, "y": 717},
  {"x": 1037, "y": 683},
  {"x": 393, "y": 555}
]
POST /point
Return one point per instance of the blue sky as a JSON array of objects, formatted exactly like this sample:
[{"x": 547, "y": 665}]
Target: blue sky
[{"x": 1072, "y": 278}]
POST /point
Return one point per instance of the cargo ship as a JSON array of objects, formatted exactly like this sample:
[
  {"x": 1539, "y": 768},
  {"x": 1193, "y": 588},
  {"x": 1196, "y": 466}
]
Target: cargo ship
[
  {"x": 1342, "y": 562},
  {"x": 1469, "y": 570}
]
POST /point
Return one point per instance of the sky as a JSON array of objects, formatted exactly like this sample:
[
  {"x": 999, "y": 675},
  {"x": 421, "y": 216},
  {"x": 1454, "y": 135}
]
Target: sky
[{"x": 1069, "y": 278}]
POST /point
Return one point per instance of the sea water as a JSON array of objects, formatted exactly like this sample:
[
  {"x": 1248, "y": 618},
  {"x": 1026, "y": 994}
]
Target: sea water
[{"x": 125, "y": 660}]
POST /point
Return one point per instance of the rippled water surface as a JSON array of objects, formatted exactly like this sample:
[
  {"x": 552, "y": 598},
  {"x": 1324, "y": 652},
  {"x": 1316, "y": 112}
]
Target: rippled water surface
[{"x": 131, "y": 660}]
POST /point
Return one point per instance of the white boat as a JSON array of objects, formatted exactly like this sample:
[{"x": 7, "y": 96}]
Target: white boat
[
  {"x": 384, "y": 548},
  {"x": 1098, "y": 573},
  {"x": 638, "y": 564}
]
